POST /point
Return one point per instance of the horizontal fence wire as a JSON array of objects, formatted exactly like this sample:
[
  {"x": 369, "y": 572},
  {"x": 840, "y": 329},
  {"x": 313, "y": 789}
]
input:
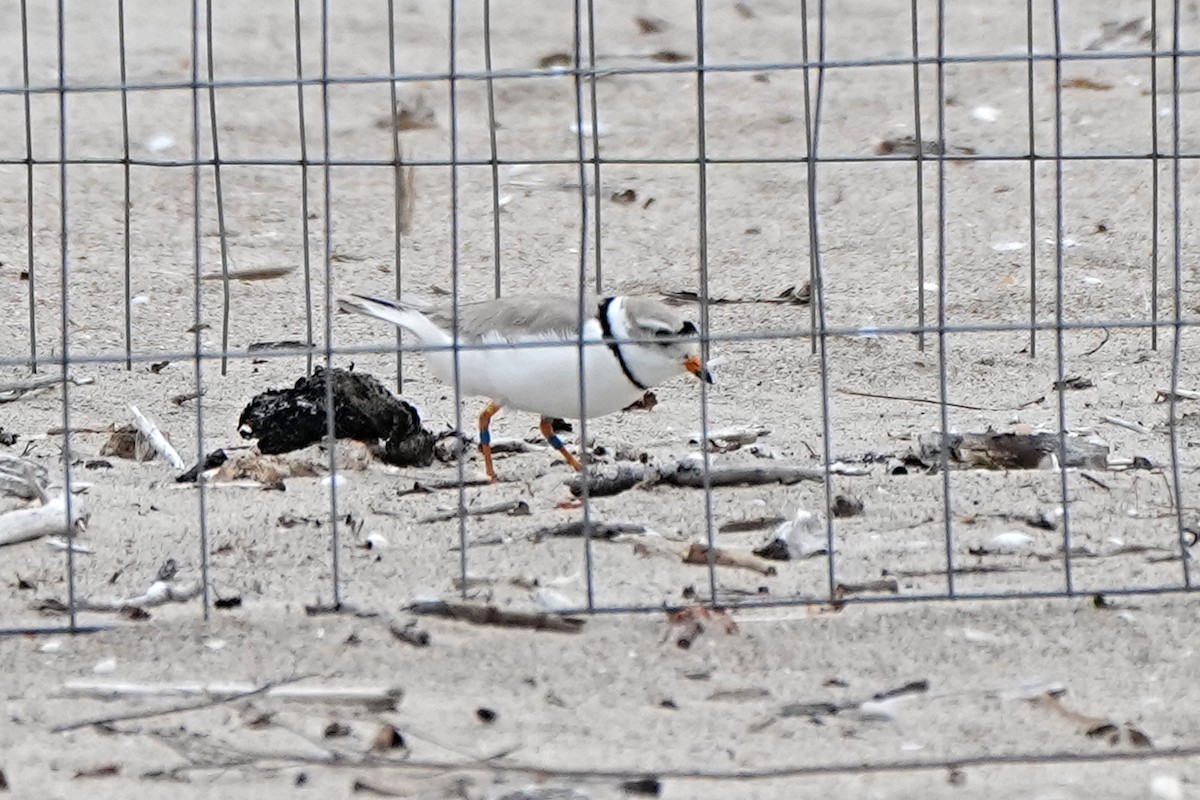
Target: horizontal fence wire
[
  {"x": 832, "y": 331},
  {"x": 602, "y": 72}
]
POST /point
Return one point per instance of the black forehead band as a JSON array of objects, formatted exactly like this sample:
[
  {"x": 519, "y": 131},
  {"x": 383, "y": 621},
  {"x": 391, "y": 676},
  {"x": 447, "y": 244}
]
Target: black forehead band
[{"x": 688, "y": 329}]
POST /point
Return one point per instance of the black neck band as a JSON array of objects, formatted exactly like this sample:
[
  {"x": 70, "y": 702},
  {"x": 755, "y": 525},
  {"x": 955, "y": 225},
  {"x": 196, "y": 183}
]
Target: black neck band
[{"x": 607, "y": 331}]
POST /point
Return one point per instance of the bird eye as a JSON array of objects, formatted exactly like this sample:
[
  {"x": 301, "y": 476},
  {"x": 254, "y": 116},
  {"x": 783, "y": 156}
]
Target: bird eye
[{"x": 662, "y": 332}]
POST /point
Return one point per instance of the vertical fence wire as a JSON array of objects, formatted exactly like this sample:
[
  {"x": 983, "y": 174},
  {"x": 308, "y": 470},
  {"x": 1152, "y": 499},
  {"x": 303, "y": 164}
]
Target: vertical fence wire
[
  {"x": 920, "y": 172},
  {"x": 455, "y": 289},
  {"x": 30, "y": 268},
  {"x": 493, "y": 148},
  {"x": 595, "y": 143},
  {"x": 305, "y": 233},
  {"x": 327, "y": 233},
  {"x": 398, "y": 191},
  {"x": 1155, "y": 152},
  {"x": 812, "y": 138},
  {"x": 1060, "y": 299},
  {"x": 65, "y": 307},
  {"x": 197, "y": 300},
  {"x": 595, "y": 121},
  {"x": 1177, "y": 295},
  {"x": 943, "y": 371},
  {"x": 127, "y": 208},
  {"x": 809, "y": 156},
  {"x": 1031, "y": 133},
  {"x": 705, "y": 316},
  {"x": 220, "y": 194},
  {"x": 585, "y": 497}
]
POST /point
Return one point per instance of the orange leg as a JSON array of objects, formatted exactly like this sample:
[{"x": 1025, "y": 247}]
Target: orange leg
[
  {"x": 557, "y": 444},
  {"x": 485, "y": 438}
]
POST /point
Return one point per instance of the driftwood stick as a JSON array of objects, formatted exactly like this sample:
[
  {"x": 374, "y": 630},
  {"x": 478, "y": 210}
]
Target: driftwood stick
[
  {"x": 602, "y": 482},
  {"x": 692, "y": 475},
  {"x": 27, "y": 524},
  {"x": 515, "y": 508},
  {"x": 365, "y": 695},
  {"x": 429, "y": 488},
  {"x": 15, "y": 391},
  {"x": 698, "y": 553},
  {"x": 731, "y": 435},
  {"x": 490, "y": 615},
  {"x": 750, "y": 524},
  {"x": 180, "y": 708},
  {"x": 576, "y": 529},
  {"x": 888, "y": 585},
  {"x": 250, "y": 274},
  {"x": 159, "y": 594},
  {"x": 504, "y": 445},
  {"x": 1128, "y": 425},
  {"x": 1162, "y": 395}
]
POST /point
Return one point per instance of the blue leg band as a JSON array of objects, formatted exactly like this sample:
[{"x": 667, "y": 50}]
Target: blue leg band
[
  {"x": 485, "y": 437},
  {"x": 555, "y": 442}
]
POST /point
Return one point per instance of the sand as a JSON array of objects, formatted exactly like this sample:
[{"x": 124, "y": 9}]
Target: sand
[{"x": 620, "y": 697}]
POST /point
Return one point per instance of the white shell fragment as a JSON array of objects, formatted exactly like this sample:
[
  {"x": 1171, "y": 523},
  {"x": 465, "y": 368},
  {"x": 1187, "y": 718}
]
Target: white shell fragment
[
  {"x": 803, "y": 534},
  {"x": 1010, "y": 542},
  {"x": 160, "y": 142},
  {"x": 986, "y": 113},
  {"x": 601, "y": 128},
  {"x": 1166, "y": 787},
  {"x": 551, "y": 600}
]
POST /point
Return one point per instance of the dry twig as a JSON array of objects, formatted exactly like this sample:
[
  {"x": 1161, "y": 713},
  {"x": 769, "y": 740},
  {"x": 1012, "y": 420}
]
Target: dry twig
[{"x": 490, "y": 615}]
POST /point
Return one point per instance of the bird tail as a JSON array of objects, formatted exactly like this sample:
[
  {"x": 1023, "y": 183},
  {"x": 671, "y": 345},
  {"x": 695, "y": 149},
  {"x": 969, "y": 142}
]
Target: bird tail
[{"x": 401, "y": 313}]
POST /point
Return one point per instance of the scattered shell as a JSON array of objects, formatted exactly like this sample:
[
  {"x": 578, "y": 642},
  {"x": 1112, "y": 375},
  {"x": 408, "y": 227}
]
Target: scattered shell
[
  {"x": 375, "y": 541},
  {"x": 59, "y": 543},
  {"x": 986, "y": 113},
  {"x": 1010, "y": 541},
  {"x": 587, "y": 128},
  {"x": 160, "y": 142},
  {"x": 976, "y": 636},
  {"x": 552, "y": 600},
  {"x": 1166, "y": 787},
  {"x": 877, "y": 711},
  {"x": 105, "y": 667},
  {"x": 802, "y": 536},
  {"x": 1008, "y": 247}
]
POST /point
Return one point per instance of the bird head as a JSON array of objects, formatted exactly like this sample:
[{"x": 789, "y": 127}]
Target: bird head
[{"x": 669, "y": 341}]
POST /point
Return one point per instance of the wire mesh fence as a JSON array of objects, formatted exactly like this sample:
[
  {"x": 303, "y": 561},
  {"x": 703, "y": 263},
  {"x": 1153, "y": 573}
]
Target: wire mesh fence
[{"x": 943, "y": 242}]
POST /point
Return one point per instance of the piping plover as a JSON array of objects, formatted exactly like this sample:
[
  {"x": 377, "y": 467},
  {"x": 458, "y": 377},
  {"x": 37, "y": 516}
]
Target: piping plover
[{"x": 622, "y": 354}]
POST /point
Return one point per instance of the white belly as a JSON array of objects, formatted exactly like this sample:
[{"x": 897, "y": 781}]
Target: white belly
[{"x": 542, "y": 380}]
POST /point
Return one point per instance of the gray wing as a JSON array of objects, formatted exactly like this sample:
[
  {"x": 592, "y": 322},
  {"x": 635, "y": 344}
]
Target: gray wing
[{"x": 516, "y": 317}]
